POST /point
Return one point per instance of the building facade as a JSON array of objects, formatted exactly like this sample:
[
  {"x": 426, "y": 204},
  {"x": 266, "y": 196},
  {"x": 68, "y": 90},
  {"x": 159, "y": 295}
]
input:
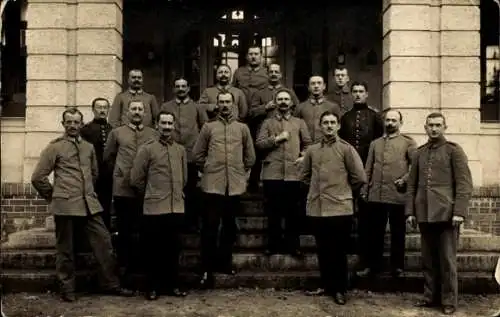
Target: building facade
[{"x": 418, "y": 56}]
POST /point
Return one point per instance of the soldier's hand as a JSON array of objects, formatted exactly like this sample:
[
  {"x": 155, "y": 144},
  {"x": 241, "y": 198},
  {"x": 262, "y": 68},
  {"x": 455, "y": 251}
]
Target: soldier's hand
[
  {"x": 411, "y": 221},
  {"x": 270, "y": 105},
  {"x": 299, "y": 160},
  {"x": 200, "y": 174},
  {"x": 283, "y": 136},
  {"x": 457, "y": 221},
  {"x": 399, "y": 182}
]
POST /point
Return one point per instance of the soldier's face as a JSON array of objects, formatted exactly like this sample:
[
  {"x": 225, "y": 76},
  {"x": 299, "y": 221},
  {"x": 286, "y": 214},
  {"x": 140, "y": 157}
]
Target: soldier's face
[
  {"x": 274, "y": 73},
  {"x": 392, "y": 121},
  {"x": 166, "y": 125},
  {"x": 341, "y": 77},
  {"x": 181, "y": 88},
  {"x": 135, "y": 79},
  {"x": 330, "y": 125},
  {"x": 223, "y": 75},
  {"x": 101, "y": 109},
  {"x": 136, "y": 112},
  {"x": 316, "y": 85},
  {"x": 359, "y": 94},
  {"x": 254, "y": 56},
  {"x": 225, "y": 104},
  {"x": 435, "y": 127},
  {"x": 72, "y": 124},
  {"x": 284, "y": 101}
]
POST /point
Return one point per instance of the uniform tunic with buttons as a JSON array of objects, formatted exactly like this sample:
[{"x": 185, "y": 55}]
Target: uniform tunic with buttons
[
  {"x": 389, "y": 159},
  {"x": 121, "y": 148},
  {"x": 160, "y": 171},
  {"x": 311, "y": 110},
  {"x": 189, "y": 118},
  {"x": 250, "y": 80},
  {"x": 333, "y": 170},
  {"x": 440, "y": 182},
  {"x": 342, "y": 96},
  {"x": 360, "y": 126},
  {"x": 74, "y": 163},
  {"x": 225, "y": 152},
  {"x": 279, "y": 162}
]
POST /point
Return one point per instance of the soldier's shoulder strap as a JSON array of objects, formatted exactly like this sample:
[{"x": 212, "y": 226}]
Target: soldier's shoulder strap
[
  {"x": 454, "y": 144},
  {"x": 407, "y": 137},
  {"x": 373, "y": 109},
  {"x": 57, "y": 140}
]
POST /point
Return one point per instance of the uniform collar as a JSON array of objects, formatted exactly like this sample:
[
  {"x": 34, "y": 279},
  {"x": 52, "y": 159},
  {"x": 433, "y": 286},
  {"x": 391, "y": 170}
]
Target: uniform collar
[
  {"x": 434, "y": 144},
  {"x": 227, "y": 120},
  {"x": 278, "y": 86},
  {"x": 166, "y": 141},
  {"x": 342, "y": 90},
  {"x": 136, "y": 92},
  {"x": 185, "y": 101},
  {"x": 317, "y": 101},
  {"x": 134, "y": 127},
  {"x": 223, "y": 88},
  {"x": 286, "y": 116},
  {"x": 391, "y": 136},
  {"x": 76, "y": 139},
  {"x": 253, "y": 69},
  {"x": 100, "y": 121},
  {"x": 359, "y": 106},
  {"x": 325, "y": 141}
]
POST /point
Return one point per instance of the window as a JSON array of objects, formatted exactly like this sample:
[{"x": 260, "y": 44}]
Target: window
[
  {"x": 13, "y": 61},
  {"x": 269, "y": 51},
  {"x": 490, "y": 62}
]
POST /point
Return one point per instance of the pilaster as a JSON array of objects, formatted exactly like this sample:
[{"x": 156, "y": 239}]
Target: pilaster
[
  {"x": 74, "y": 55},
  {"x": 431, "y": 63}
]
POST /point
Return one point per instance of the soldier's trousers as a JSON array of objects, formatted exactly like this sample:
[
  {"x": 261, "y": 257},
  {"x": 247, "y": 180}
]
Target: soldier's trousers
[
  {"x": 282, "y": 202},
  {"x": 379, "y": 214},
  {"x": 192, "y": 197},
  {"x": 218, "y": 232},
  {"x": 128, "y": 217},
  {"x": 439, "y": 261},
  {"x": 104, "y": 193},
  {"x": 100, "y": 243},
  {"x": 331, "y": 234},
  {"x": 161, "y": 248}
]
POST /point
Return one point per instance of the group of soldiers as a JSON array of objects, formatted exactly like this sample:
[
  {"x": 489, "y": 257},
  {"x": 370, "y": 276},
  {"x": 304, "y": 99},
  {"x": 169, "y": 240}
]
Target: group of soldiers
[{"x": 328, "y": 158}]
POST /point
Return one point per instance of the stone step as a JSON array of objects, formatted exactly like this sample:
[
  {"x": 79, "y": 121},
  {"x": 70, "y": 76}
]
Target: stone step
[
  {"x": 45, "y": 280},
  {"x": 469, "y": 241},
  {"x": 248, "y": 261}
]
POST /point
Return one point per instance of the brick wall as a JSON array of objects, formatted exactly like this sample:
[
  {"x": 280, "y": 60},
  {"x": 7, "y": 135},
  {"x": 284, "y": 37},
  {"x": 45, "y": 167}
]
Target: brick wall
[{"x": 22, "y": 208}]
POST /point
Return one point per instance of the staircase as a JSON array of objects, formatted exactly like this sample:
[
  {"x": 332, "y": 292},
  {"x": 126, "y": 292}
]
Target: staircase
[{"x": 30, "y": 264}]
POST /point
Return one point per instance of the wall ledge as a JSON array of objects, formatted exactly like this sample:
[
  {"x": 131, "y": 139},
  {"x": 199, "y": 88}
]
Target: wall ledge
[
  {"x": 490, "y": 128},
  {"x": 12, "y": 125}
]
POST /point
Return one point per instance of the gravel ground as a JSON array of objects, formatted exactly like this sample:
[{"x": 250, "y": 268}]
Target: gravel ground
[{"x": 239, "y": 303}]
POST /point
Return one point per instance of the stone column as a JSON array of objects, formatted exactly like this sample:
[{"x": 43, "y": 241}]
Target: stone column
[
  {"x": 74, "y": 55},
  {"x": 431, "y": 63}
]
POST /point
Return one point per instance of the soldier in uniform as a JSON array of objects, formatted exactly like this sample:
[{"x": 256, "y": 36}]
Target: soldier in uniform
[
  {"x": 439, "y": 190},
  {"x": 160, "y": 172},
  {"x": 208, "y": 97},
  {"x": 261, "y": 105},
  {"x": 387, "y": 169},
  {"x": 74, "y": 203},
  {"x": 333, "y": 171},
  {"x": 283, "y": 138},
  {"x": 190, "y": 117},
  {"x": 311, "y": 110},
  {"x": 120, "y": 151},
  {"x": 252, "y": 77},
  {"x": 341, "y": 94},
  {"x": 96, "y": 132},
  {"x": 360, "y": 126},
  {"x": 225, "y": 153},
  {"x": 118, "y": 113}
]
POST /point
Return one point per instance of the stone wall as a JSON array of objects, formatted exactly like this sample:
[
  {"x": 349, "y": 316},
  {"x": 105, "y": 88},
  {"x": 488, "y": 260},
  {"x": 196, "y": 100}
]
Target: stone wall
[{"x": 23, "y": 209}]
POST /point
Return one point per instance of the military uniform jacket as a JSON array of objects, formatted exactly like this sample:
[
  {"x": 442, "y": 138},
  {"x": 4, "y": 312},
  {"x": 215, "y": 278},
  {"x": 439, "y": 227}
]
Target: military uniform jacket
[
  {"x": 341, "y": 96},
  {"x": 189, "y": 118},
  {"x": 311, "y": 110},
  {"x": 74, "y": 163},
  {"x": 225, "y": 152},
  {"x": 333, "y": 170},
  {"x": 209, "y": 97},
  {"x": 279, "y": 162},
  {"x": 160, "y": 172},
  {"x": 250, "y": 80},
  {"x": 120, "y": 150},
  {"x": 389, "y": 159},
  {"x": 96, "y": 132},
  {"x": 440, "y": 182},
  {"x": 119, "y": 108},
  {"x": 360, "y": 126}
]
